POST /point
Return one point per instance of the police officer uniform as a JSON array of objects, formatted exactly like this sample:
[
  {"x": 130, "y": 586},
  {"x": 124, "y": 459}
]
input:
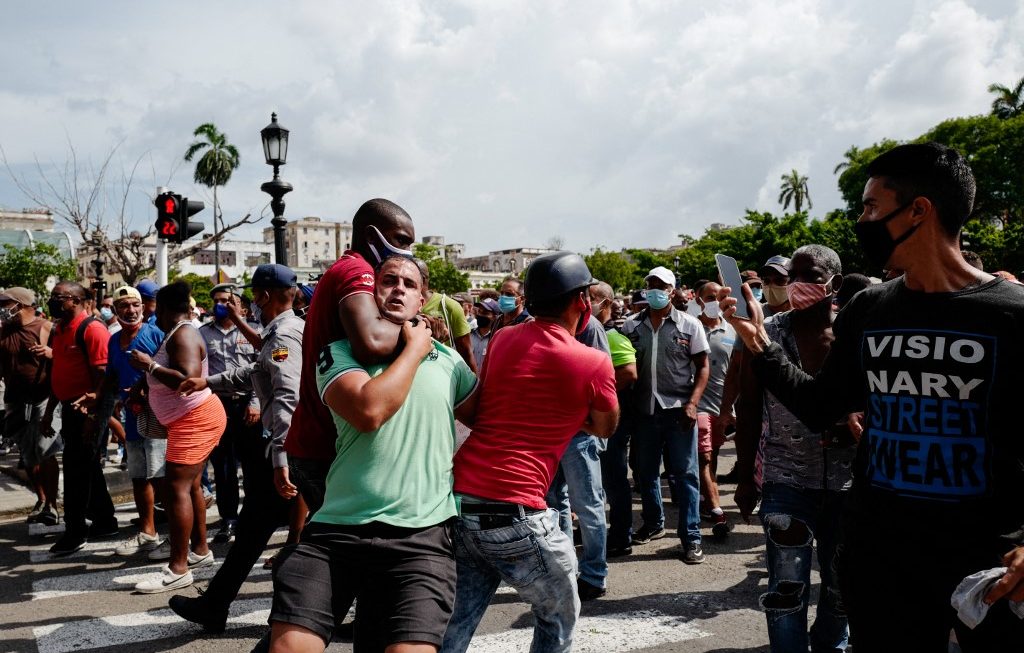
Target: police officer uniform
[{"x": 274, "y": 376}]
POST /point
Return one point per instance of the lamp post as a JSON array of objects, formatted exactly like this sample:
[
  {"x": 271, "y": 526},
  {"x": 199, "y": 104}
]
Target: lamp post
[
  {"x": 99, "y": 286},
  {"x": 275, "y": 151},
  {"x": 675, "y": 269}
]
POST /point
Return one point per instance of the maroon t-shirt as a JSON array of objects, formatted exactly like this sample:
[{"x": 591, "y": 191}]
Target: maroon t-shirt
[{"x": 312, "y": 433}]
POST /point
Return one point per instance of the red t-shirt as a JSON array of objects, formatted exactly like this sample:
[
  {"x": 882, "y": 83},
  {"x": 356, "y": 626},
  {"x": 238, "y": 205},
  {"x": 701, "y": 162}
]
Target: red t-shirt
[
  {"x": 537, "y": 387},
  {"x": 312, "y": 433},
  {"x": 70, "y": 378}
]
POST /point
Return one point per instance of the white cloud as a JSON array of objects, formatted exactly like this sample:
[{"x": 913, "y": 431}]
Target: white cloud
[{"x": 502, "y": 124}]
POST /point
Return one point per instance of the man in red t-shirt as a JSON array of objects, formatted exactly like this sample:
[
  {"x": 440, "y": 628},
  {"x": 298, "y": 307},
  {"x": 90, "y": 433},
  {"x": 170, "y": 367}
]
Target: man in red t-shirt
[
  {"x": 79, "y": 362},
  {"x": 538, "y": 387}
]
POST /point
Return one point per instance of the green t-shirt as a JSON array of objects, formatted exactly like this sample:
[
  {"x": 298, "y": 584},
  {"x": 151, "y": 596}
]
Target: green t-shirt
[
  {"x": 622, "y": 350},
  {"x": 400, "y": 474},
  {"x": 455, "y": 318}
]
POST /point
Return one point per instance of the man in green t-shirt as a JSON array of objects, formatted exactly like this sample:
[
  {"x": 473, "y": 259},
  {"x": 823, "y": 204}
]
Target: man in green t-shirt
[
  {"x": 614, "y": 459},
  {"x": 383, "y": 530},
  {"x": 442, "y": 306}
]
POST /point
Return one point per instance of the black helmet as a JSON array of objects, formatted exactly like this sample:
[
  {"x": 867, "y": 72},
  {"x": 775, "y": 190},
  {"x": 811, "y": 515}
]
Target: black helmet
[{"x": 554, "y": 275}]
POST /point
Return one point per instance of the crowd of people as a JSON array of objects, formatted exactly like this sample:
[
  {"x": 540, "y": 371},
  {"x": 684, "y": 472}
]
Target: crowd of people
[{"x": 422, "y": 449}]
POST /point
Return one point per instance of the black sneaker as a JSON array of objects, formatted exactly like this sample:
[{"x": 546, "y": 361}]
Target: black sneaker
[
  {"x": 67, "y": 544},
  {"x": 731, "y": 478},
  {"x": 645, "y": 535},
  {"x": 589, "y": 592},
  {"x": 99, "y": 529},
  {"x": 36, "y": 511},
  {"x": 48, "y": 517},
  {"x": 198, "y": 611},
  {"x": 693, "y": 554},
  {"x": 720, "y": 525},
  {"x": 225, "y": 534},
  {"x": 618, "y": 551}
]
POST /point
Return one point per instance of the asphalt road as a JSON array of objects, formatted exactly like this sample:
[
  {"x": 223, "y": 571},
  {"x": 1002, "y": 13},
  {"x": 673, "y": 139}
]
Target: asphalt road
[{"x": 84, "y": 602}]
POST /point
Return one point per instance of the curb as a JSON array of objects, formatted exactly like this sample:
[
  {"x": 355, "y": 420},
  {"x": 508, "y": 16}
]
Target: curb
[{"x": 118, "y": 484}]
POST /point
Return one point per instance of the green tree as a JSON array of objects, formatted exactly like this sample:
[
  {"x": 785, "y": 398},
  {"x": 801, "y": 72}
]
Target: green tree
[
  {"x": 1009, "y": 102},
  {"x": 614, "y": 268},
  {"x": 213, "y": 169},
  {"x": 36, "y": 267},
  {"x": 444, "y": 276},
  {"x": 201, "y": 287},
  {"x": 794, "y": 189}
]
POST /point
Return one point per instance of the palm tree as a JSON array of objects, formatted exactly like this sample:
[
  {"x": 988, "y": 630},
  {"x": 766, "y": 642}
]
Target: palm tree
[
  {"x": 213, "y": 169},
  {"x": 794, "y": 189},
  {"x": 851, "y": 155},
  {"x": 1008, "y": 102}
]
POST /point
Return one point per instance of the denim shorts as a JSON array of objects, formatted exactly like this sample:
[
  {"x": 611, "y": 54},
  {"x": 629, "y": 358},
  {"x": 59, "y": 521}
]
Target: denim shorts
[
  {"x": 21, "y": 425},
  {"x": 403, "y": 579},
  {"x": 147, "y": 458}
]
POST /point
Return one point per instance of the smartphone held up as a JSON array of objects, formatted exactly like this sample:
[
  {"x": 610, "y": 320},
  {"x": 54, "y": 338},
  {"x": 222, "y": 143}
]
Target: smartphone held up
[{"x": 729, "y": 273}]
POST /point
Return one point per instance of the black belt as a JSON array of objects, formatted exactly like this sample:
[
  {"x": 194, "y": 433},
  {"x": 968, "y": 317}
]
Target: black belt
[{"x": 498, "y": 508}]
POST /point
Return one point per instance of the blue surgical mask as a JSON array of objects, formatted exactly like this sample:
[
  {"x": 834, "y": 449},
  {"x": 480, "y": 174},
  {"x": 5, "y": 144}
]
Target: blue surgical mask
[
  {"x": 757, "y": 292},
  {"x": 106, "y": 314},
  {"x": 658, "y": 299},
  {"x": 506, "y": 304}
]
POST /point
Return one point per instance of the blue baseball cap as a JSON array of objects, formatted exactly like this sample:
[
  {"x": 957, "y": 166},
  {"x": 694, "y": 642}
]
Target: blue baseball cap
[
  {"x": 272, "y": 275},
  {"x": 307, "y": 291},
  {"x": 147, "y": 288}
]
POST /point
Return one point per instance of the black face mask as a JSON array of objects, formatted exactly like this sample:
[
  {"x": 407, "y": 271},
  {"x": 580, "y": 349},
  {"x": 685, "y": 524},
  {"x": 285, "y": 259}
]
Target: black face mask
[
  {"x": 875, "y": 239},
  {"x": 55, "y": 307},
  {"x": 482, "y": 321}
]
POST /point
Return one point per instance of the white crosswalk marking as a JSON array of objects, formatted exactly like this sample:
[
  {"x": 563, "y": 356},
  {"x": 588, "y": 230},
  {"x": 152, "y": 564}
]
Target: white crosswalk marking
[
  {"x": 116, "y": 580},
  {"x": 628, "y": 631},
  {"x": 123, "y": 629}
]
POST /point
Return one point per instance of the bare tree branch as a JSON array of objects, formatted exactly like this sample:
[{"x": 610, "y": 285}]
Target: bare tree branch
[{"x": 185, "y": 252}]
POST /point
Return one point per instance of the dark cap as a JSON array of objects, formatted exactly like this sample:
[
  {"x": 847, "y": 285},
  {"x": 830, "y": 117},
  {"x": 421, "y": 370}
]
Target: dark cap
[
  {"x": 750, "y": 277},
  {"x": 225, "y": 287},
  {"x": 778, "y": 263},
  {"x": 489, "y": 305},
  {"x": 639, "y": 297},
  {"x": 272, "y": 275}
]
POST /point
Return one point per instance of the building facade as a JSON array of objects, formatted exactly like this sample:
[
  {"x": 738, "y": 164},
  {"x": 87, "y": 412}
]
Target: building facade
[{"x": 313, "y": 243}]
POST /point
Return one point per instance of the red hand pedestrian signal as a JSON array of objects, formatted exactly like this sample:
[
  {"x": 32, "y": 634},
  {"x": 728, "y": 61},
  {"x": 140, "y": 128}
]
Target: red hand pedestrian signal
[{"x": 171, "y": 206}]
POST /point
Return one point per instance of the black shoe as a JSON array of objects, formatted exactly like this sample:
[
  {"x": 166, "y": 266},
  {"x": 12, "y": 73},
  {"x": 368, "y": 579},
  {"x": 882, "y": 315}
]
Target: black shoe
[
  {"x": 645, "y": 535},
  {"x": 589, "y": 592},
  {"x": 730, "y": 478},
  {"x": 68, "y": 543},
  {"x": 721, "y": 526},
  {"x": 225, "y": 534},
  {"x": 198, "y": 611},
  {"x": 693, "y": 554},
  {"x": 99, "y": 529},
  {"x": 48, "y": 517},
  {"x": 619, "y": 551}
]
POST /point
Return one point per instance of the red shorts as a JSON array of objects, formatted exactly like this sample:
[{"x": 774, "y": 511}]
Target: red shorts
[{"x": 705, "y": 443}]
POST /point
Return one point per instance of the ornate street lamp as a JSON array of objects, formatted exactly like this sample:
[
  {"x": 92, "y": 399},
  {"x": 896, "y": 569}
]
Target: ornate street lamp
[
  {"x": 275, "y": 151},
  {"x": 99, "y": 286}
]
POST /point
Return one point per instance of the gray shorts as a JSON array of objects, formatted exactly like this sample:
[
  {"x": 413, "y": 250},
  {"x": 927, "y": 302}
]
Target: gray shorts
[
  {"x": 147, "y": 458},
  {"x": 21, "y": 425}
]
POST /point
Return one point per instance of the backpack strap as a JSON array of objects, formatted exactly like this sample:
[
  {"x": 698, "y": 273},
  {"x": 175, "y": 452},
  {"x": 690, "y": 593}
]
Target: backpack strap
[{"x": 80, "y": 336}]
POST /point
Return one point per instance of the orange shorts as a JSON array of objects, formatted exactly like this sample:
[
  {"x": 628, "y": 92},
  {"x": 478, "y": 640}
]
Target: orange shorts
[
  {"x": 191, "y": 438},
  {"x": 705, "y": 442}
]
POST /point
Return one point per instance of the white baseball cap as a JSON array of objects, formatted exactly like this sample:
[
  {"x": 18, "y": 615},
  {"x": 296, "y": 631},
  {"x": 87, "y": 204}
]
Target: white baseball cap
[{"x": 663, "y": 274}]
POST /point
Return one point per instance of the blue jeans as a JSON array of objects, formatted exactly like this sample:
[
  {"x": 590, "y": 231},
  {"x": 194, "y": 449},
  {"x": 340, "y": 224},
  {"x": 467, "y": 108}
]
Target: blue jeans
[
  {"x": 615, "y": 477},
  {"x": 532, "y": 555},
  {"x": 793, "y": 519},
  {"x": 663, "y": 431},
  {"x": 577, "y": 483}
]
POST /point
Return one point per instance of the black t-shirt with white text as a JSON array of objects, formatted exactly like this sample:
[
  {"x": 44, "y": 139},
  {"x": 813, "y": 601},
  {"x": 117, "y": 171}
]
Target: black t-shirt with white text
[{"x": 939, "y": 378}]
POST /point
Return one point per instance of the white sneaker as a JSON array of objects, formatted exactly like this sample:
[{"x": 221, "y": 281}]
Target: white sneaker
[
  {"x": 162, "y": 552},
  {"x": 141, "y": 542},
  {"x": 195, "y": 561},
  {"x": 166, "y": 582}
]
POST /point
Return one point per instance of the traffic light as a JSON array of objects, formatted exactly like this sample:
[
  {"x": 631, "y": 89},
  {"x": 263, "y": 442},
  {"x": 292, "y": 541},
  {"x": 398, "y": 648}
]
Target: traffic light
[{"x": 172, "y": 217}]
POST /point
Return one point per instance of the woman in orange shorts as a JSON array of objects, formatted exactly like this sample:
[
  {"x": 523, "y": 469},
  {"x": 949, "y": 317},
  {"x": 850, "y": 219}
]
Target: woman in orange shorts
[{"x": 194, "y": 426}]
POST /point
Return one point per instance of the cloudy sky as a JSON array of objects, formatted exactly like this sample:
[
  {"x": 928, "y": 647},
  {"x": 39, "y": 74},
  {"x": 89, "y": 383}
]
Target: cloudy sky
[{"x": 500, "y": 124}]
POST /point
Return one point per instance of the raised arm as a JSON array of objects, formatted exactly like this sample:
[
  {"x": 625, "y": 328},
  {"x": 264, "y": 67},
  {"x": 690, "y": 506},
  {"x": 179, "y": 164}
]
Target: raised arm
[
  {"x": 374, "y": 339},
  {"x": 368, "y": 402}
]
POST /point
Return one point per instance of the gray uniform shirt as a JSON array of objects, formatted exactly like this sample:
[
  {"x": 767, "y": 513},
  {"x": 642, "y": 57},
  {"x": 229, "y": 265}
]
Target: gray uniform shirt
[
  {"x": 790, "y": 452},
  {"x": 227, "y": 350},
  {"x": 275, "y": 377},
  {"x": 721, "y": 341},
  {"x": 479, "y": 346},
  {"x": 664, "y": 371}
]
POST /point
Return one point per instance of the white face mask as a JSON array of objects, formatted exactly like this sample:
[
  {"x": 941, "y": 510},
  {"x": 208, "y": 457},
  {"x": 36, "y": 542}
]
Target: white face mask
[
  {"x": 693, "y": 308},
  {"x": 712, "y": 310}
]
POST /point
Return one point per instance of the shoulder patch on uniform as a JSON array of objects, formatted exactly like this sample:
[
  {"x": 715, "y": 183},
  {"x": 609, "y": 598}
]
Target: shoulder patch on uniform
[
  {"x": 366, "y": 279},
  {"x": 279, "y": 354}
]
